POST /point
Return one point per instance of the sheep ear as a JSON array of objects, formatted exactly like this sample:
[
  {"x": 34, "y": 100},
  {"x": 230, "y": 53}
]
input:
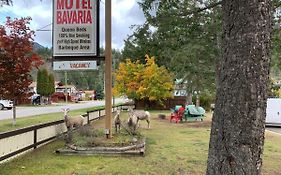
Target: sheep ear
[{"x": 65, "y": 109}]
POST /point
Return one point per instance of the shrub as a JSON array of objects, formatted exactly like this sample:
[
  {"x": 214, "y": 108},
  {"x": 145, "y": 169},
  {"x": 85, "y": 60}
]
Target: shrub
[{"x": 205, "y": 100}]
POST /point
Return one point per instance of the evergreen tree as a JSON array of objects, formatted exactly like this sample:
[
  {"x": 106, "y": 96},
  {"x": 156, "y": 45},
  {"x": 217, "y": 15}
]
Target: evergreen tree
[
  {"x": 45, "y": 83},
  {"x": 40, "y": 82},
  {"x": 51, "y": 88},
  {"x": 45, "y": 87},
  {"x": 99, "y": 92}
]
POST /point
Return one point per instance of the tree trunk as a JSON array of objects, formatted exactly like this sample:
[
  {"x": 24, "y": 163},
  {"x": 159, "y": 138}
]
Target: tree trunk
[
  {"x": 237, "y": 134},
  {"x": 197, "y": 104},
  {"x": 189, "y": 98}
]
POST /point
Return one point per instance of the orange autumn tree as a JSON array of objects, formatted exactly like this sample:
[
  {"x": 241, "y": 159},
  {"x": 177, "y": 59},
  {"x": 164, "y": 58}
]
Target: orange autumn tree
[{"x": 143, "y": 81}]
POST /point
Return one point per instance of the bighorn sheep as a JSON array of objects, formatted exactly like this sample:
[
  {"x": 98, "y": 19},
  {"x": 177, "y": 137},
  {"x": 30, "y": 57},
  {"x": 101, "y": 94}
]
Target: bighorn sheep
[
  {"x": 140, "y": 115},
  {"x": 71, "y": 122},
  {"x": 132, "y": 122},
  {"x": 117, "y": 120}
]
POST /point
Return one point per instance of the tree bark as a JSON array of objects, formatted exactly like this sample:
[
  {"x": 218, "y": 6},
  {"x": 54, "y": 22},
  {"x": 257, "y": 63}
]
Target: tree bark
[
  {"x": 189, "y": 98},
  {"x": 237, "y": 134}
]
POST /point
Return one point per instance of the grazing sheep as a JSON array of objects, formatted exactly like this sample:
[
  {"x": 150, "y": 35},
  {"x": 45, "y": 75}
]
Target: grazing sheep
[
  {"x": 117, "y": 120},
  {"x": 71, "y": 122},
  {"x": 140, "y": 115},
  {"x": 132, "y": 122}
]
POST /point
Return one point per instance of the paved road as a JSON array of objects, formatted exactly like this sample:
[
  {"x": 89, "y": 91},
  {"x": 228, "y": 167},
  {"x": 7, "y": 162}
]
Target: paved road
[
  {"x": 274, "y": 129},
  {"x": 30, "y": 111}
]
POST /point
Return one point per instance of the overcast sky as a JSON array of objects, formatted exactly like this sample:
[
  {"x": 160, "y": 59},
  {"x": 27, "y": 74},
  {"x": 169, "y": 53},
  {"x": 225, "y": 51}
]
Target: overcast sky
[{"x": 124, "y": 14}]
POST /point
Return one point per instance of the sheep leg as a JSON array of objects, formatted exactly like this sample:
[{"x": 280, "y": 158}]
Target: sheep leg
[
  {"x": 148, "y": 123},
  {"x": 138, "y": 124},
  {"x": 119, "y": 127},
  {"x": 69, "y": 135}
]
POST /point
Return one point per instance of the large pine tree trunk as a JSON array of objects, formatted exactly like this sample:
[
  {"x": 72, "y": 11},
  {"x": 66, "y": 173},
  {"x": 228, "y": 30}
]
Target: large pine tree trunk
[{"x": 237, "y": 134}]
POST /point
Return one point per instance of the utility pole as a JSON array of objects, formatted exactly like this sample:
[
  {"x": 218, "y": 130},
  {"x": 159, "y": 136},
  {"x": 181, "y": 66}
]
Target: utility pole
[
  {"x": 108, "y": 70},
  {"x": 113, "y": 79}
]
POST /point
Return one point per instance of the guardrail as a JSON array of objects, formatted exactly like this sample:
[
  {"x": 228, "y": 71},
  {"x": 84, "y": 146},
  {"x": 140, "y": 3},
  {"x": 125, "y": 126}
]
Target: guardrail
[{"x": 14, "y": 143}]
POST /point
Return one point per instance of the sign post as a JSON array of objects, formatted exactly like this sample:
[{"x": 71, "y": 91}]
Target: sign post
[
  {"x": 76, "y": 42},
  {"x": 108, "y": 70},
  {"x": 65, "y": 84}
]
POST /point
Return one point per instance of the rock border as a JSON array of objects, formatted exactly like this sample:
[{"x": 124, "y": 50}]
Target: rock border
[{"x": 134, "y": 149}]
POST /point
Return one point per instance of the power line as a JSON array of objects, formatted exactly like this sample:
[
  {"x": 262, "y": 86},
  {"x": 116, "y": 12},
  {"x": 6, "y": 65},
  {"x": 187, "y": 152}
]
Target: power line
[{"x": 42, "y": 28}]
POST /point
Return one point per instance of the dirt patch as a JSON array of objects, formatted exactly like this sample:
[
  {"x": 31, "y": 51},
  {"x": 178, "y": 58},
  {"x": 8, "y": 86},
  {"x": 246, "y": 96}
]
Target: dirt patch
[
  {"x": 198, "y": 124},
  {"x": 195, "y": 124}
]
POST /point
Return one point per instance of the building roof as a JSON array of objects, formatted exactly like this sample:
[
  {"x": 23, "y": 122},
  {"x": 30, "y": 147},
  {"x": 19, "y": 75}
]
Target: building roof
[
  {"x": 33, "y": 84},
  {"x": 67, "y": 86}
]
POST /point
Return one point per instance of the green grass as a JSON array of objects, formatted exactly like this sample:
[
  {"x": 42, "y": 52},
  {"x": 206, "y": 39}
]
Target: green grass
[
  {"x": 6, "y": 125},
  {"x": 171, "y": 149}
]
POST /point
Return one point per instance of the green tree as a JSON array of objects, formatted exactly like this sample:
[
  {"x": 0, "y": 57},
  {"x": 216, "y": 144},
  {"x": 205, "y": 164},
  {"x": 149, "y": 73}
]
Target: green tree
[
  {"x": 45, "y": 77},
  {"x": 183, "y": 37},
  {"x": 45, "y": 83},
  {"x": 40, "y": 81},
  {"x": 51, "y": 85},
  {"x": 99, "y": 92},
  {"x": 45, "y": 53}
]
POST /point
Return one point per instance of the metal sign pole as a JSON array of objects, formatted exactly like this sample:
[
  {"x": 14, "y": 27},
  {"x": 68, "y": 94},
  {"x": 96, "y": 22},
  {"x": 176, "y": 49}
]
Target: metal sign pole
[{"x": 108, "y": 69}]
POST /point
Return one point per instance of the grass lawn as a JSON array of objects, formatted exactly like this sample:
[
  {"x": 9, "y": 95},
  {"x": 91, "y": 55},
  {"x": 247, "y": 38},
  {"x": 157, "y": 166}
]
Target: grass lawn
[
  {"x": 6, "y": 125},
  {"x": 171, "y": 149}
]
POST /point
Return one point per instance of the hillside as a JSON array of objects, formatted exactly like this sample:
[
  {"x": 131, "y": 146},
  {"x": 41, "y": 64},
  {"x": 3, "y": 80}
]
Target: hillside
[{"x": 37, "y": 46}]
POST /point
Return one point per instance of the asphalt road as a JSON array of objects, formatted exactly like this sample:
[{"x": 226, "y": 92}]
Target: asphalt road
[
  {"x": 30, "y": 111},
  {"x": 274, "y": 129}
]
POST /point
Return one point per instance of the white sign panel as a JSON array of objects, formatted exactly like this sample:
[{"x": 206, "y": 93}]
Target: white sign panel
[
  {"x": 75, "y": 28},
  {"x": 75, "y": 65}
]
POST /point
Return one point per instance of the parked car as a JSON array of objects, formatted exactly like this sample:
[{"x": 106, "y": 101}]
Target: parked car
[
  {"x": 35, "y": 99},
  {"x": 6, "y": 104}
]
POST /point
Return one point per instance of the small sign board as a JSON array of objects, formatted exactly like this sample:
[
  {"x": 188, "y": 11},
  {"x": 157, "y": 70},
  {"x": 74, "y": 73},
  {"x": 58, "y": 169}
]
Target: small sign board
[
  {"x": 75, "y": 65},
  {"x": 75, "y": 29}
]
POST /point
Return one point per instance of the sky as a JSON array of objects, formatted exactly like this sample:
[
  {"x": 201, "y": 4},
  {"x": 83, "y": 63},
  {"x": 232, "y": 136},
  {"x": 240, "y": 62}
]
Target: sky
[{"x": 124, "y": 14}]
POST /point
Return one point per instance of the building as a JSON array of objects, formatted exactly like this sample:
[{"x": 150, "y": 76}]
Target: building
[
  {"x": 180, "y": 89},
  {"x": 70, "y": 89}
]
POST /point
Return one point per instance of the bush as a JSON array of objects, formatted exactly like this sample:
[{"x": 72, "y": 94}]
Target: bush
[
  {"x": 205, "y": 100},
  {"x": 59, "y": 96}
]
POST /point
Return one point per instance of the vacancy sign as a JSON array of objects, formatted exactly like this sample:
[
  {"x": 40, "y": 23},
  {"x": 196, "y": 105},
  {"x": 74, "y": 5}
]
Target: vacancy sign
[
  {"x": 75, "y": 65},
  {"x": 74, "y": 28}
]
